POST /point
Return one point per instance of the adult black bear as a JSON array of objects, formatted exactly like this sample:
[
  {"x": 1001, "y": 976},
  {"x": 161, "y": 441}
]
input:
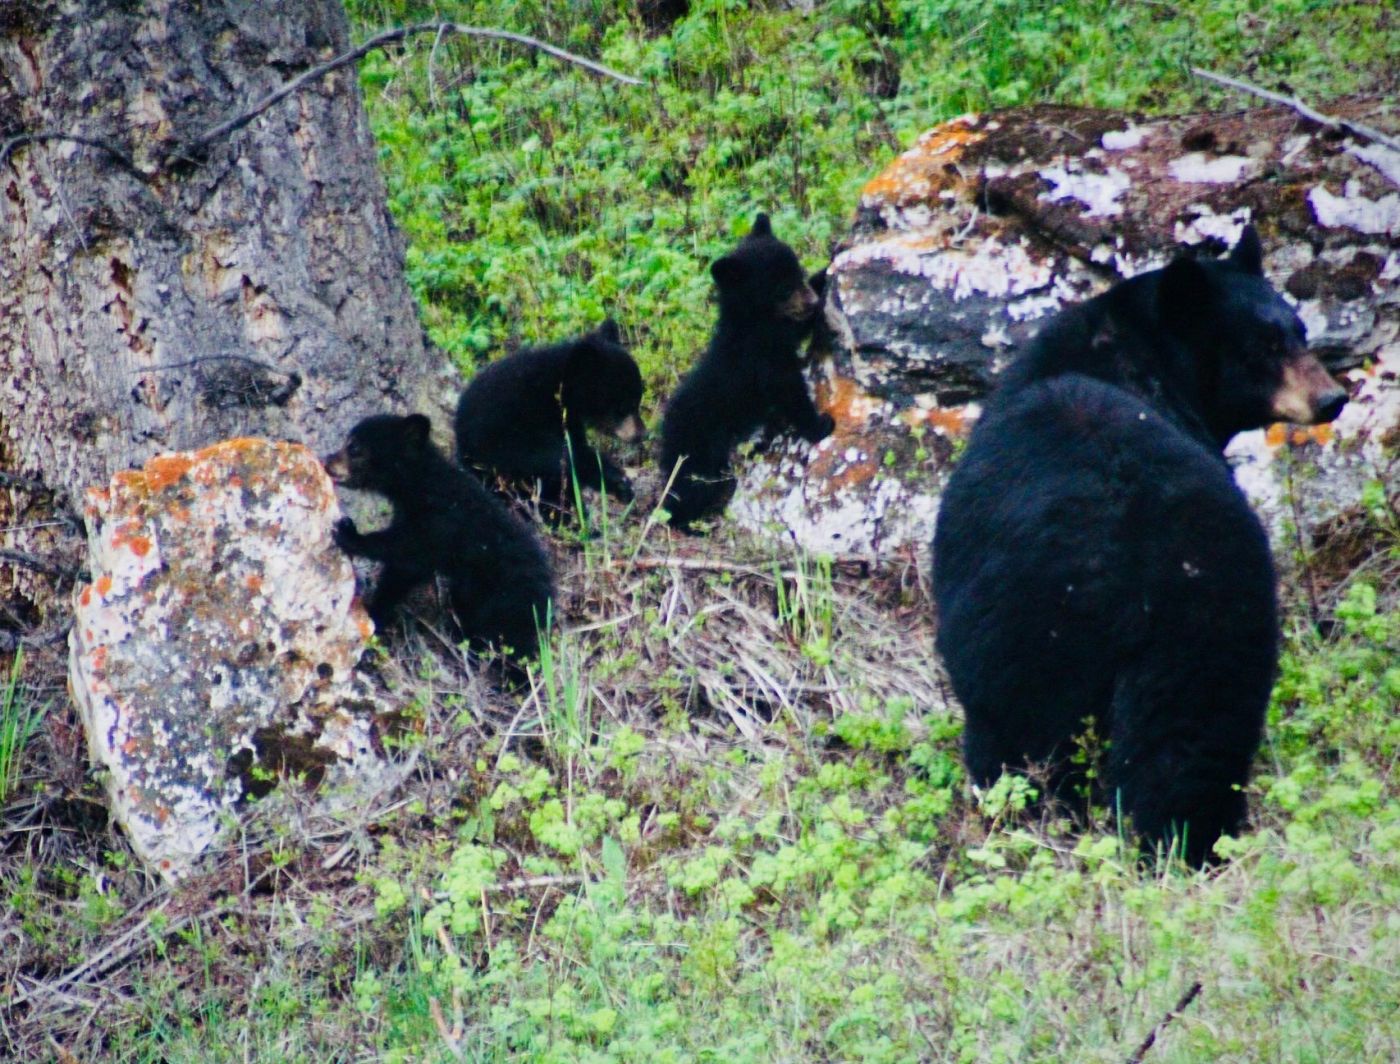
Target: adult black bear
[
  {"x": 1094, "y": 561},
  {"x": 748, "y": 378},
  {"x": 527, "y": 416},
  {"x": 444, "y": 522}
]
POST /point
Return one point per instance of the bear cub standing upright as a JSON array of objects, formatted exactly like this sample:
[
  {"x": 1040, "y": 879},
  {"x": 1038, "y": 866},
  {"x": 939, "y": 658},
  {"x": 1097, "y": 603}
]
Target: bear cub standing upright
[
  {"x": 444, "y": 522},
  {"x": 526, "y": 417},
  {"x": 1095, "y": 563},
  {"x": 749, "y": 377}
]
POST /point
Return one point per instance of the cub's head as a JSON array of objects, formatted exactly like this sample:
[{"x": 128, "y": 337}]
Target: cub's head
[
  {"x": 603, "y": 384},
  {"x": 1251, "y": 349},
  {"x": 762, "y": 279},
  {"x": 380, "y": 451}
]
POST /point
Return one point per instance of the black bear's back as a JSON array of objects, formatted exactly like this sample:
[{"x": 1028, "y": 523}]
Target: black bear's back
[
  {"x": 510, "y": 409},
  {"x": 1086, "y": 545}
]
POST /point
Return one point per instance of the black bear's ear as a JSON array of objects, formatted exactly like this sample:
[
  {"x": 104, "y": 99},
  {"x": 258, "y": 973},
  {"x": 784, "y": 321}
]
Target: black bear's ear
[
  {"x": 1183, "y": 290},
  {"x": 1248, "y": 254},
  {"x": 417, "y": 429},
  {"x": 609, "y": 331},
  {"x": 726, "y": 271},
  {"x": 761, "y": 226}
]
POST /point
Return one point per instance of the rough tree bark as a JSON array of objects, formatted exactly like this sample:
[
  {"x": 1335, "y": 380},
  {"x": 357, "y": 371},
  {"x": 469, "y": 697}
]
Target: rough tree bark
[{"x": 150, "y": 302}]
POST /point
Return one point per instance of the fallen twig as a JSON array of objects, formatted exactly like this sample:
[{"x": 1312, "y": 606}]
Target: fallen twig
[
  {"x": 1360, "y": 129},
  {"x": 1161, "y": 1024},
  {"x": 34, "y": 562}
]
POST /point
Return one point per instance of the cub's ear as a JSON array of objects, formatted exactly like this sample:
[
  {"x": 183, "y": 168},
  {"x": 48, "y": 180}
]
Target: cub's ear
[
  {"x": 726, "y": 271},
  {"x": 1248, "y": 254},
  {"x": 1183, "y": 291},
  {"x": 417, "y": 429},
  {"x": 761, "y": 226},
  {"x": 609, "y": 332}
]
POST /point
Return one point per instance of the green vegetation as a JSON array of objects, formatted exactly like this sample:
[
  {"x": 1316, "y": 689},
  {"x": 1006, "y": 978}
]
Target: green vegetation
[
  {"x": 18, "y": 719},
  {"x": 536, "y": 197},
  {"x": 728, "y": 819}
]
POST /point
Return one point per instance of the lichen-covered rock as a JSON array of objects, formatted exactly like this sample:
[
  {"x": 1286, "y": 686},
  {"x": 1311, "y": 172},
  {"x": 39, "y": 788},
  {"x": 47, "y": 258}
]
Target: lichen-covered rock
[
  {"x": 220, "y": 627},
  {"x": 967, "y": 242}
]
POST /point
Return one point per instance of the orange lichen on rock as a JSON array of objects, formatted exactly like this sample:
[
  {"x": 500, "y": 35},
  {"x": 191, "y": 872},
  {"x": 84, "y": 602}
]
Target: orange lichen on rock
[
  {"x": 1276, "y": 435},
  {"x": 928, "y": 167},
  {"x": 166, "y": 469},
  {"x": 949, "y": 421},
  {"x": 104, "y": 585},
  {"x": 843, "y": 399}
]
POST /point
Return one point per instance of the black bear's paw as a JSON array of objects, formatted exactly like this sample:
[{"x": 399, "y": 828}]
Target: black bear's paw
[
  {"x": 345, "y": 534},
  {"x": 824, "y": 427}
]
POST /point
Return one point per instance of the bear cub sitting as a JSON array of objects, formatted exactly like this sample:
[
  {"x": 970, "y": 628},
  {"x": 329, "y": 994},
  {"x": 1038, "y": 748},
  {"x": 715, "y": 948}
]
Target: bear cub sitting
[
  {"x": 749, "y": 378},
  {"x": 444, "y": 522},
  {"x": 1095, "y": 562},
  {"x": 526, "y": 417}
]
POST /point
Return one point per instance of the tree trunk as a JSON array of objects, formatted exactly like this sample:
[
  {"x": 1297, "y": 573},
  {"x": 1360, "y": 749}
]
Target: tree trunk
[{"x": 150, "y": 302}]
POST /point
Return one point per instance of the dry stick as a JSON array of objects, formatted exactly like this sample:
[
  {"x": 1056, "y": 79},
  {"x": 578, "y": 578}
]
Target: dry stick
[
  {"x": 1361, "y": 129},
  {"x": 193, "y": 148},
  {"x": 1161, "y": 1024},
  {"x": 34, "y": 562},
  {"x": 72, "y": 138}
]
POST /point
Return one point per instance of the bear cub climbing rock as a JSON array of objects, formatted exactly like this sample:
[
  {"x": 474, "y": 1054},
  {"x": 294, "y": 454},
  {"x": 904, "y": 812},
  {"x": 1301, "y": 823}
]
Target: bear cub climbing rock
[
  {"x": 749, "y": 377},
  {"x": 444, "y": 522},
  {"x": 1095, "y": 563},
  {"x": 527, "y": 416}
]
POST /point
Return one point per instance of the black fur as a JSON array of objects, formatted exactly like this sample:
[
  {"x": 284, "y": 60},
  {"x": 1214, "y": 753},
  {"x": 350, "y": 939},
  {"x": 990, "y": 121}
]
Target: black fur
[
  {"x": 526, "y": 415},
  {"x": 444, "y": 523},
  {"x": 749, "y": 378},
  {"x": 1094, "y": 561}
]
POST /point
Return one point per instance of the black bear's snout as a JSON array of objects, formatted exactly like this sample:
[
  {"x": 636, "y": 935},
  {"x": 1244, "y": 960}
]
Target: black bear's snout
[
  {"x": 337, "y": 466},
  {"x": 1327, "y": 407},
  {"x": 1307, "y": 394},
  {"x": 630, "y": 429}
]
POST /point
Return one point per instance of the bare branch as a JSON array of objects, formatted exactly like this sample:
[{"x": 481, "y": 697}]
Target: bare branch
[
  {"x": 1360, "y": 129},
  {"x": 191, "y": 151},
  {"x": 33, "y": 485},
  {"x": 39, "y": 565},
  {"x": 91, "y": 142},
  {"x": 12, "y": 641},
  {"x": 1161, "y": 1025}
]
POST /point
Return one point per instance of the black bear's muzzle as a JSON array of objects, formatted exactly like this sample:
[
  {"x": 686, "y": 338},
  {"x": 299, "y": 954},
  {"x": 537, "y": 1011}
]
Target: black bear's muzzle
[{"x": 1307, "y": 394}]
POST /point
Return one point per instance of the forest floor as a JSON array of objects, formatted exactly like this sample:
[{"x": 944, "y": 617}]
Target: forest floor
[{"x": 727, "y": 818}]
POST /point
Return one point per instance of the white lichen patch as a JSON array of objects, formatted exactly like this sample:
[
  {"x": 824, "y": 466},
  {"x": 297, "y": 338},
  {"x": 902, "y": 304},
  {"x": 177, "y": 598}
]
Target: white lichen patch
[
  {"x": 1099, "y": 193},
  {"x": 1201, "y": 224},
  {"x": 1123, "y": 139},
  {"x": 991, "y": 269},
  {"x": 1382, "y": 156},
  {"x": 1354, "y": 210},
  {"x": 863, "y": 517},
  {"x": 1201, "y": 169},
  {"x": 218, "y": 609}
]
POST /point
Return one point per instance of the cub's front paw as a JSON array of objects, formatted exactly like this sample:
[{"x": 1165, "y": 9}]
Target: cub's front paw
[
  {"x": 345, "y": 534},
  {"x": 825, "y": 426}
]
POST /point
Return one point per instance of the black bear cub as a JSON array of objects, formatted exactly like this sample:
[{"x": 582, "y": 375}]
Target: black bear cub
[
  {"x": 444, "y": 522},
  {"x": 1095, "y": 564},
  {"x": 526, "y": 417},
  {"x": 749, "y": 377}
]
